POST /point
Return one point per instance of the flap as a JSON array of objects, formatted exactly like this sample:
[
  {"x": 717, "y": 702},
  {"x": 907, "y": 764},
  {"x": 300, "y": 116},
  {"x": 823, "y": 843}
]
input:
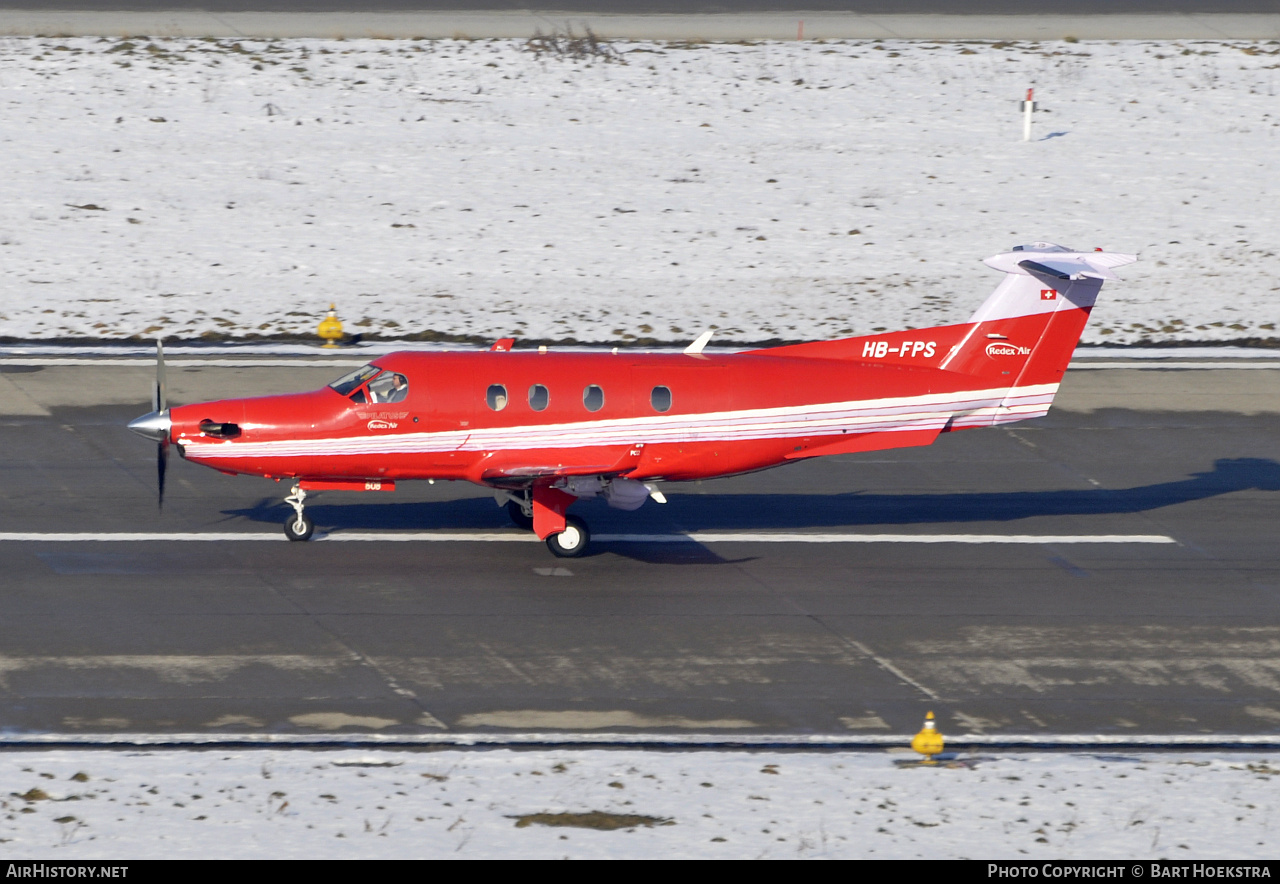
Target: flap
[
  {"x": 881, "y": 441},
  {"x": 522, "y": 475}
]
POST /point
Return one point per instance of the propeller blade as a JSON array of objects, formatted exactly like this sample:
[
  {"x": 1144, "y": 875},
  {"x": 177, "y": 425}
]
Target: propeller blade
[
  {"x": 162, "y": 465},
  {"x": 160, "y": 407},
  {"x": 159, "y": 394}
]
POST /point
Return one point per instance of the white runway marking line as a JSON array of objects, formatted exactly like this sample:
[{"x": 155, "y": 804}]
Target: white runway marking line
[
  {"x": 493, "y": 537},
  {"x": 700, "y": 537}
]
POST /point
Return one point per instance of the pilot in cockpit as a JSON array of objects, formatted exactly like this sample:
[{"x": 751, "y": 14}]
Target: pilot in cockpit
[
  {"x": 389, "y": 387},
  {"x": 399, "y": 388}
]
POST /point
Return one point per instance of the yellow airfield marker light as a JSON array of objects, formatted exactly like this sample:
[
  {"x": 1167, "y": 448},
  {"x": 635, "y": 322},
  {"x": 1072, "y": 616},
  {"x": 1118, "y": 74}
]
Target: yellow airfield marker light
[
  {"x": 330, "y": 327},
  {"x": 928, "y": 742}
]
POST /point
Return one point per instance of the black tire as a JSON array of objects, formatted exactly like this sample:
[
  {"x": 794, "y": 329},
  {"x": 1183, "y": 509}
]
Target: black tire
[
  {"x": 299, "y": 527},
  {"x": 572, "y": 541},
  {"x": 516, "y": 512}
]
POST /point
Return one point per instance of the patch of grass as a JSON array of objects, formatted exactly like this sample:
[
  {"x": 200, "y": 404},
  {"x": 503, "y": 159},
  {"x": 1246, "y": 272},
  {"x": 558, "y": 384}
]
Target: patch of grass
[
  {"x": 567, "y": 44},
  {"x": 595, "y": 819}
]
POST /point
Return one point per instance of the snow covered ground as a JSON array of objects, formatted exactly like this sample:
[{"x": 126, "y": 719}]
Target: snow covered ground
[
  {"x": 502, "y": 803},
  {"x": 773, "y": 190}
]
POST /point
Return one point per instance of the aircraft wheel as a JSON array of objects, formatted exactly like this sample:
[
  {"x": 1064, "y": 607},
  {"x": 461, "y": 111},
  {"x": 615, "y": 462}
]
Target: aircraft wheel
[
  {"x": 516, "y": 512},
  {"x": 299, "y": 527},
  {"x": 572, "y": 541}
]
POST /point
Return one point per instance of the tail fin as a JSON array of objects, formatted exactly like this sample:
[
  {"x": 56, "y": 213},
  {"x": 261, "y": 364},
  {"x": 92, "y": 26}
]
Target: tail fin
[
  {"x": 1025, "y": 332},
  {"x": 1022, "y": 336}
]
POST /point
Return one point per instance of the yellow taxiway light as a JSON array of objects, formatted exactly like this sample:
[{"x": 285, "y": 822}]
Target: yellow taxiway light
[
  {"x": 928, "y": 742},
  {"x": 330, "y": 327}
]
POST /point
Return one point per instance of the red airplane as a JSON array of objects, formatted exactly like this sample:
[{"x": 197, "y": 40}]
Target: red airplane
[{"x": 547, "y": 429}]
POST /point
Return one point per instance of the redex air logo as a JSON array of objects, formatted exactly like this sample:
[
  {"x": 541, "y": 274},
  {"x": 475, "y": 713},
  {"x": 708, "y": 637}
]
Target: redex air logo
[
  {"x": 999, "y": 348},
  {"x": 382, "y": 425}
]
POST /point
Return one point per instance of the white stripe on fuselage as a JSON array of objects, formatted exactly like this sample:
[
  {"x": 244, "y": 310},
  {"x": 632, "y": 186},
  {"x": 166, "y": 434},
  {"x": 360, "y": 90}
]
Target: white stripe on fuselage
[{"x": 923, "y": 412}]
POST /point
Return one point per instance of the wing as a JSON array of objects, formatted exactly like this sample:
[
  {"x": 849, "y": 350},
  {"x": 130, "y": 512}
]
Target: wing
[
  {"x": 510, "y": 473},
  {"x": 869, "y": 442}
]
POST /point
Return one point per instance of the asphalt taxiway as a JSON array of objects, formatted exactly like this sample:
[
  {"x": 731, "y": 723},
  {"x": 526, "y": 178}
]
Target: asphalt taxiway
[{"x": 1110, "y": 569}]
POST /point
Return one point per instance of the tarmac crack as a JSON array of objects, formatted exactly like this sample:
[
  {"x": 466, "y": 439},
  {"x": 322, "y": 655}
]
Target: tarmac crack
[
  {"x": 426, "y": 719},
  {"x": 883, "y": 662}
]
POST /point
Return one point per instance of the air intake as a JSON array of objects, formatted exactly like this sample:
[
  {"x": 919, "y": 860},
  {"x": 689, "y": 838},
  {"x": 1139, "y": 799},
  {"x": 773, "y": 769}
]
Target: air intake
[{"x": 219, "y": 431}]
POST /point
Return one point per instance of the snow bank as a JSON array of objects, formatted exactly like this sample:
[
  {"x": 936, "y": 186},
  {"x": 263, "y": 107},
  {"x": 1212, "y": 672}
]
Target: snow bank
[
  {"x": 298, "y": 803},
  {"x": 471, "y": 189}
]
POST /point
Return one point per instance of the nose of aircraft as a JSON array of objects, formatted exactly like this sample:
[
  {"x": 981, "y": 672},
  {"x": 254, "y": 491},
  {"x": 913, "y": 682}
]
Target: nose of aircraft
[{"x": 154, "y": 425}]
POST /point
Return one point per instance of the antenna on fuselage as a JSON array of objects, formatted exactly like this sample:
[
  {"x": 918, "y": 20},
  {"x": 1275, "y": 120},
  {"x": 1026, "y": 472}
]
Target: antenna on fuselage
[{"x": 695, "y": 349}]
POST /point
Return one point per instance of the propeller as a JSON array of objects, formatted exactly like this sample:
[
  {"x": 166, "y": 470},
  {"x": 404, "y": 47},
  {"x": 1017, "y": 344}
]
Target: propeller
[
  {"x": 160, "y": 405},
  {"x": 159, "y": 395},
  {"x": 155, "y": 425},
  {"x": 162, "y": 466}
]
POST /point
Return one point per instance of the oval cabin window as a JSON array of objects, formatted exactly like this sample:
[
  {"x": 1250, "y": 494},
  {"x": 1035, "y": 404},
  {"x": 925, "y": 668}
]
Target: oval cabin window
[
  {"x": 660, "y": 398},
  {"x": 539, "y": 398},
  {"x": 593, "y": 398},
  {"x": 496, "y": 397}
]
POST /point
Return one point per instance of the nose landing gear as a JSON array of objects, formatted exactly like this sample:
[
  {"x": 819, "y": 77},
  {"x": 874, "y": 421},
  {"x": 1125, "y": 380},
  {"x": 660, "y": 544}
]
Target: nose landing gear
[{"x": 298, "y": 526}]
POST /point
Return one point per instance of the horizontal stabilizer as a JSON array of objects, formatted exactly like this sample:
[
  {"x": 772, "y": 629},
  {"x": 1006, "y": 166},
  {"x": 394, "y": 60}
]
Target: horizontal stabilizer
[
  {"x": 1037, "y": 269},
  {"x": 1059, "y": 262}
]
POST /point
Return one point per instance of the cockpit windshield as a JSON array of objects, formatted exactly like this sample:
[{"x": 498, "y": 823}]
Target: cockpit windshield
[{"x": 348, "y": 382}]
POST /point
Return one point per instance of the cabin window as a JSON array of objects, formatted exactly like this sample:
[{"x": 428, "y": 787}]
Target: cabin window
[
  {"x": 660, "y": 399},
  {"x": 496, "y": 397},
  {"x": 539, "y": 398},
  {"x": 593, "y": 398},
  {"x": 389, "y": 387},
  {"x": 350, "y": 381}
]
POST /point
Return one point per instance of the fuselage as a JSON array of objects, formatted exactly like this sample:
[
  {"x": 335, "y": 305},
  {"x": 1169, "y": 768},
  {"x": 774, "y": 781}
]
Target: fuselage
[{"x": 503, "y": 418}]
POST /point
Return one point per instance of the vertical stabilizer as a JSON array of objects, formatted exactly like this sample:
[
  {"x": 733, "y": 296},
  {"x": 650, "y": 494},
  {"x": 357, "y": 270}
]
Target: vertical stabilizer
[{"x": 1025, "y": 332}]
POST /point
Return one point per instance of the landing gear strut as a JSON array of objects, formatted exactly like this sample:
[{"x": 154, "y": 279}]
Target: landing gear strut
[
  {"x": 541, "y": 509},
  {"x": 298, "y": 526},
  {"x": 521, "y": 514},
  {"x": 520, "y": 508}
]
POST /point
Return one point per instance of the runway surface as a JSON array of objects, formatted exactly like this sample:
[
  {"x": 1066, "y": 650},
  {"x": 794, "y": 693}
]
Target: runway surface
[{"x": 1172, "y": 626}]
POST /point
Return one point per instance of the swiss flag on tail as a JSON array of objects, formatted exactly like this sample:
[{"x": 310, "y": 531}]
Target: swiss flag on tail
[{"x": 1048, "y": 295}]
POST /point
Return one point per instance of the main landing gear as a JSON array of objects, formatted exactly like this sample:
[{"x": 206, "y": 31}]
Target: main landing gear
[
  {"x": 298, "y": 526},
  {"x": 568, "y": 542},
  {"x": 521, "y": 512},
  {"x": 572, "y": 541}
]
